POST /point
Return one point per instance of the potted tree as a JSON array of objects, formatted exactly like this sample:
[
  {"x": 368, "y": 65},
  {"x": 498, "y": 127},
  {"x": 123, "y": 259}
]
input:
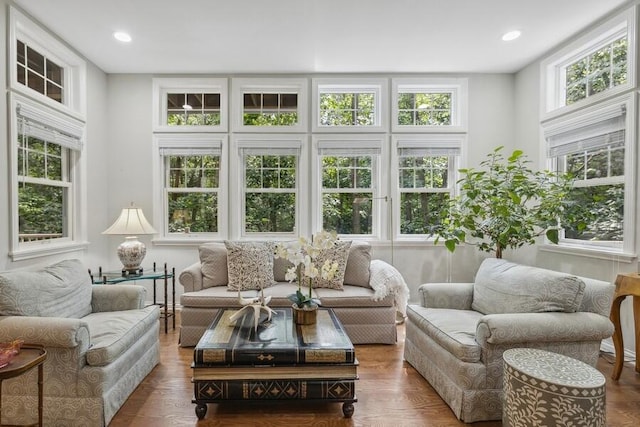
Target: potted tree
[{"x": 504, "y": 204}]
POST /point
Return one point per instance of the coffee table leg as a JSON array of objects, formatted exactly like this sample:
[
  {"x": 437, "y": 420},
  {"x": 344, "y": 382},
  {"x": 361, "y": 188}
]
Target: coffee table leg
[
  {"x": 201, "y": 410},
  {"x": 347, "y": 409}
]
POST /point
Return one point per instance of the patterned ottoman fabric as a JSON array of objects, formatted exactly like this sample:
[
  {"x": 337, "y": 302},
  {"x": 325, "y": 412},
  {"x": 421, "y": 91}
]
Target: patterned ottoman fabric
[{"x": 548, "y": 389}]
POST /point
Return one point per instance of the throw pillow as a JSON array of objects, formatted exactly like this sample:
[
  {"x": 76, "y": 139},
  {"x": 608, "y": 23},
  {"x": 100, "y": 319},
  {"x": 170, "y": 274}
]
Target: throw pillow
[
  {"x": 280, "y": 267},
  {"x": 357, "y": 272},
  {"x": 250, "y": 265},
  {"x": 504, "y": 287},
  {"x": 62, "y": 289},
  {"x": 339, "y": 253},
  {"x": 213, "y": 263}
]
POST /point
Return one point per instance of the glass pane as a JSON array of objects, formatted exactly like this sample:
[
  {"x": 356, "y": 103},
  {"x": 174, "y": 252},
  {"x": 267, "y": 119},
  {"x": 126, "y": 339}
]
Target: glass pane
[
  {"x": 35, "y": 165},
  {"x": 270, "y": 101},
  {"x": 195, "y": 100},
  {"x": 35, "y": 61},
  {"x": 289, "y": 101},
  {"x": 598, "y": 164},
  {"x": 407, "y": 177},
  {"x": 21, "y": 74},
  {"x": 406, "y": 101},
  {"x": 419, "y": 211},
  {"x": 212, "y": 101},
  {"x": 175, "y": 101},
  {"x": 35, "y": 82},
  {"x": 405, "y": 118},
  {"x": 54, "y": 72},
  {"x": 41, "y": 212},
  {"x": 252, "y": 101},
  {"x": 20, "y": 55},
  {"x": 54, "y": 168},
  {"x": 54, "y": 92},
  {"x": 270, "y": 212},
  {"x": 617, "y": 162},
  {"x": 596, "y": 213},
  {"x": 347, "y": 213},
  {"x": 193, "y": 213},
  {"x": 212, "y": 119}
]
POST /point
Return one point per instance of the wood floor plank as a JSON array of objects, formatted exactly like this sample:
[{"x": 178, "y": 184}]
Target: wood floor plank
[{"x": 390, "y": 393}]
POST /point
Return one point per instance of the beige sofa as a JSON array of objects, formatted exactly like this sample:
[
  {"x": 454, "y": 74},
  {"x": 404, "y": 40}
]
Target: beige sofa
[
  {"x": 371, "y": 294},
  {"x": 101, "y": 343},
  {"x": 456, "y": 336}
]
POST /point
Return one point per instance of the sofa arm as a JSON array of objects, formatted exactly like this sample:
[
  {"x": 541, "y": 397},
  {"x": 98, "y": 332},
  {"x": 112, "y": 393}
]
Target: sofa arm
[
  {"x": 513, "y": 328},
  {"x": 117, "y": 297},
  {"x": 48, "y": 331},
  {"x": 456, "y": 296},
  {"x": 191, "y": 278}
]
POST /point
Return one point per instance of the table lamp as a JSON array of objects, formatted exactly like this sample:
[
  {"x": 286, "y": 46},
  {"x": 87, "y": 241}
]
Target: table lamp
[{"x": 131, "y": 223}]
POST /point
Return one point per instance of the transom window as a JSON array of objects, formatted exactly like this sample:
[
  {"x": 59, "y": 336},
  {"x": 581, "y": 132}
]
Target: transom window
[
  {"x": 270, "y": 191},
  {"x": 38, "y": 72},
  {"x": 270, "y": 109},
  {"x": 347, "y": 109},
  {"x": 424, "y": 109},
  {"x": 193, "y": 109},
  {"x": 597, "y": 72},
  {"x": 192, "y": 185}
]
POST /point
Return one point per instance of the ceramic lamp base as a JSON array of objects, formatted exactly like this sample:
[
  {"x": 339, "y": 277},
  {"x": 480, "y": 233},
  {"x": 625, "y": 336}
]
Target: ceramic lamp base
[{"x": 131, "y": 253}]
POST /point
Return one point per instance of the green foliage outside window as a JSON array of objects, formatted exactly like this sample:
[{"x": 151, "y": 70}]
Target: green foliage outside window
[
  {"x": 270, "y": 109},
  {"x": 597, "y": 72},
  {"x": 424, "y": 109},
  {"x": 347, "y": 109}
]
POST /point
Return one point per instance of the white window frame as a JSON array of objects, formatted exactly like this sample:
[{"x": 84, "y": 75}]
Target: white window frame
[
  {"x": 552, "y": 69},
  {"x": 379, "y": 209},
  {"x": 458, "y": 88},
  {"x": 378, "y": 86},
  {"x": 186, "y": 142},
  {"x": 453, "y": 145},
  {"x": 163, "y": 86},
  {"x": 76, "y": 203},
  {"x": 590, "y": 116},
  {"x": 274, "y": 143},
  {"x": 299, "y": 86},
  {"x": 75, "y": 73}
]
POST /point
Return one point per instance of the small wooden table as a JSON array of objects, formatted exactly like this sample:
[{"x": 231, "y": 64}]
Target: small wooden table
[
  {"x": 279, "y": 361},
  {"x": 30, "y": 356},
  {"x": 626, "y": 285}
]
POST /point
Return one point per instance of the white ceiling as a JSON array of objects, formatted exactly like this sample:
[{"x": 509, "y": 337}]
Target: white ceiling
[{"x": 296, "y": 36}]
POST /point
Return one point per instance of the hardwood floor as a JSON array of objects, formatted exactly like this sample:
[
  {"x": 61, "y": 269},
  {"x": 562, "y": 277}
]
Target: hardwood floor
[{"x": 390, "y": 393}]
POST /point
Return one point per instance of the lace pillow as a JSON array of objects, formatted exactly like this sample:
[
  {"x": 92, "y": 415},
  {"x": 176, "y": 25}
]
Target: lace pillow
[
  {"x": 339, "y": 253},
  {"x": 249, "y": 265}
]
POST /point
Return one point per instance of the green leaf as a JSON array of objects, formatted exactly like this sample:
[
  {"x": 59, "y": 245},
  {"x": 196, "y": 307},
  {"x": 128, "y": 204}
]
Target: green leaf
[
  {"x": 450, "y": 244},
  {"x": 552, "y": 235}
]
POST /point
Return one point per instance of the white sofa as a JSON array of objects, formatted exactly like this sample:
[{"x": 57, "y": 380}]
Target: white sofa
[
  {"x": 456, "y": 336},
  {"x": 101, "y": 343},
  {"x": 371, "y": 294}
]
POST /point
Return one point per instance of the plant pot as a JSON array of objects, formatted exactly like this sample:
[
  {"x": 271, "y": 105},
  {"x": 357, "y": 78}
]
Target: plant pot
[{"x": 305, "y": 315}]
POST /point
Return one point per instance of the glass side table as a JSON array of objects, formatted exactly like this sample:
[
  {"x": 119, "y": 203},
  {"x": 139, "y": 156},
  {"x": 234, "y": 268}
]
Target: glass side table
[{"x": 115, "y": 277}]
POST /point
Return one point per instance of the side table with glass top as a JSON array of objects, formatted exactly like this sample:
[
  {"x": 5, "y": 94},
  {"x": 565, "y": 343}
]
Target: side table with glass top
[{"x": 115, "y": 277}]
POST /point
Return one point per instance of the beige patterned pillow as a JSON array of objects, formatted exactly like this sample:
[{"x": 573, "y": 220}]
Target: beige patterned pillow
[
  {"x": 250, "y": 265},
  {"x": 339, "y": 253}
]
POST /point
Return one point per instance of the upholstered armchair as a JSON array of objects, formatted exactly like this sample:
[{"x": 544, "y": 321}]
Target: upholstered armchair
[{"x": 456, "y": 336}]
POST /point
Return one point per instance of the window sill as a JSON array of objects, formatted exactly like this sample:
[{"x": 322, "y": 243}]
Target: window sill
[
  {"x": 589, "y": 252},
  {"x": 46, "y": 249}
]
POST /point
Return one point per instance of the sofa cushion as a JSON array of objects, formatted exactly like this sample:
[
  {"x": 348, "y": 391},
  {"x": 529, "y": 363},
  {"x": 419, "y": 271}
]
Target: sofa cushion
[
  {"x": 249, "y": 265},
  {"x": 339, "y": 253},
  {"x": 454, "y": 330},
  {"x": 59, "y": 290},
  {"x": 505, "y": 287},
  {"x": 213, "y": 264},
  {"x": 113, "y": 333},
  {"x": 357, "y": 270}
]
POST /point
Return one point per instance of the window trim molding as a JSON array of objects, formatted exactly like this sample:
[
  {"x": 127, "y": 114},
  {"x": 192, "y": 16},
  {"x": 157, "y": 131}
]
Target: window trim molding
[
  {"x": 594, "y": 114},
  {"x": 75, "y": 69},
  {"x": 552, "y": 66},
  {"x": 186, "y": 141},
  {"x": 459, "y": 89},
  {"x": 378, "y": 185},
  {"x": 300, "y": 86},
  {"x": 162, "y": 86},
  {"x": 77, "y": 239},
  {"x": 379, "y": 86},
  {"x": 434, "y": 140},
  {"x": 239, "y": 142}
]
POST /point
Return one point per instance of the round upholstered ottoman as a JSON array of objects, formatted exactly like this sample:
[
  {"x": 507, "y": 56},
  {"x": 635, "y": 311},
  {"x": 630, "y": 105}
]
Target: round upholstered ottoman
[{"x": 548, "y": 389}]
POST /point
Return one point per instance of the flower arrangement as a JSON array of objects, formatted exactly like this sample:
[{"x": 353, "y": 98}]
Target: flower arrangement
[{"x": 303, "y": 254}]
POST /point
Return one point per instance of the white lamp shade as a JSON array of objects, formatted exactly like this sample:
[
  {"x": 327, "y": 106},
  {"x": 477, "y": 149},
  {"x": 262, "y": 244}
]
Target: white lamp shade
[{"x": 131, "y": 222}]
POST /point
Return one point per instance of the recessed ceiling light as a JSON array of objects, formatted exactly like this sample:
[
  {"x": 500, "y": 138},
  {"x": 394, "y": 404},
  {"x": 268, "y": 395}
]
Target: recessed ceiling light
[
  {"x": 122, "y": 36},
  {"x": 511, "y": 35}
]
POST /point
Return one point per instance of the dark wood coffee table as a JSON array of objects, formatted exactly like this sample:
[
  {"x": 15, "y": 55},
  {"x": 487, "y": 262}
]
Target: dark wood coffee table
[{"x": 279, "y": 361}]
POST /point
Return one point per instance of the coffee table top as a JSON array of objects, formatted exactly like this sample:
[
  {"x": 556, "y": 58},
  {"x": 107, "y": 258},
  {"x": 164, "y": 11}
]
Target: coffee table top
[{"x": 276, "y": 342}]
